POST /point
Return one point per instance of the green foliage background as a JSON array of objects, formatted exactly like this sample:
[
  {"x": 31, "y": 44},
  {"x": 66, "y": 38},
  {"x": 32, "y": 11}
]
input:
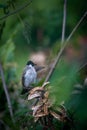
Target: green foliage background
[{"x": 19, "y": 38}]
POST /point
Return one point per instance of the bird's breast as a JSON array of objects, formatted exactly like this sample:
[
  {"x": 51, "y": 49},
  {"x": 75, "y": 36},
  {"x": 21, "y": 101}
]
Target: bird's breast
[{"x": 30, "y": 77}]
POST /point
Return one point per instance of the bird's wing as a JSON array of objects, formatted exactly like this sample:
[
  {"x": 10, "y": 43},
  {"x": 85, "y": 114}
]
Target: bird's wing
[
  {"x": 23, "y": 79},
  {"x": 29, "y": 76}
]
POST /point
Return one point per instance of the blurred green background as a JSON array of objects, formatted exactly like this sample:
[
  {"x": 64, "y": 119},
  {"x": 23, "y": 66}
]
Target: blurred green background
[{"x": 35, "y": 33}]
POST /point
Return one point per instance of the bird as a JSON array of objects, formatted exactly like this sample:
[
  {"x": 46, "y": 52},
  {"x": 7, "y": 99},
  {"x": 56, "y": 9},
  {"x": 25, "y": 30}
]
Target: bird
[{"x": 29, "y": 76}]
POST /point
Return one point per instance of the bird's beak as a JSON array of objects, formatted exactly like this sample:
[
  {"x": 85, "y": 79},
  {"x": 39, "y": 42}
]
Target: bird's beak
[{"x": 38, "y": 68}]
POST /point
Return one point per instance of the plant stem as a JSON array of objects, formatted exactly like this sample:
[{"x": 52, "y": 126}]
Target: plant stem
[
  {"x": 64, "y": 23},
  {"x": 62, "y": 49},
  {"x": 81, "y": 67},
  {"x": 75, "y": 28},
  {"x": 16, "y": 11},
  {"x": 6, "y": 93}
]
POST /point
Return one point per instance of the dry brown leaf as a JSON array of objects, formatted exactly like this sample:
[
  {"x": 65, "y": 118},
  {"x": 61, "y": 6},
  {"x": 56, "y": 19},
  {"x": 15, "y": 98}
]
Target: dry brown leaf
[
  {"x": 44, "y": 100},
  {"x": 46, "y": 83},
  {"x": 35, "y": 95},
  {"x": 55, "y": 115},
  {"x": 36, "y": 89},
  {"x": 41, "y": 114},
  {"x": 45, "y": 107},
  {"x": 35, "y": 109},
  {"x": 42, "y": 109},
  {"x": 46, "y": 94}
]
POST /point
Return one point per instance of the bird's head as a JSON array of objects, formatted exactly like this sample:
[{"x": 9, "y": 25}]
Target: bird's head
[
  {"x": 30, "y": 63},
  {"x": 37, "y": 68}
]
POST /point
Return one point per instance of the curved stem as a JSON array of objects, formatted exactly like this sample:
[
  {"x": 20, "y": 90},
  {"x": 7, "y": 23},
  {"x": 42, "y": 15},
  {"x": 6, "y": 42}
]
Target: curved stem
[
  {"x": 16, "y": 11},
  {"x": 62, "y": 49},
  {"x": 64, "y": 22},
  {"x": 6, "y": 93}
]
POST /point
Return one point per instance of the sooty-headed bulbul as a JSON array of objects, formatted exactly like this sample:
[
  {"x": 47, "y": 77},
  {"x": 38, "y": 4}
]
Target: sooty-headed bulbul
[{"x": 29, "y": 76}]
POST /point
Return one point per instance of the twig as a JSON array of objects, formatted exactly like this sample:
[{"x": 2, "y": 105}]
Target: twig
[
  {"x": 18, "y": 15},
  {"x": 21, "y": 21},
  {"x": 64, "y": 22},
  {"x": 6, "y": 93},
  {"x": 16, "y": 11},
  {"x": 62, "y": 49},
  {"x": 81, "y": 67},
  {"x": 75, "y": 28}
]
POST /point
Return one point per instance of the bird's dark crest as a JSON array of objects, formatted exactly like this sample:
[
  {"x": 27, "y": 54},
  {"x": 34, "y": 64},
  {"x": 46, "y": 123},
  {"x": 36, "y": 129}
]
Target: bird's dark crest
[{"x": 30, "y": 63}]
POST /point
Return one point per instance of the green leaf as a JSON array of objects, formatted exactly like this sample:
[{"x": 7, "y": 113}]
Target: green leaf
[
  {"x": 61, "y": 82},
  {"x": 6, "y": 51}
]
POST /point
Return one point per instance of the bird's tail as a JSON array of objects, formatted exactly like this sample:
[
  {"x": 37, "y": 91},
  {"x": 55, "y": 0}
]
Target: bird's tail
[{"x": 26, "y": 90}]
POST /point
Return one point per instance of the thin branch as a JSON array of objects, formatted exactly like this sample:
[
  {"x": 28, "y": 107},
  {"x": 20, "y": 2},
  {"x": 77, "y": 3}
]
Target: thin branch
[
  {"x": 16, "y": 11},
  {"x": 20, "y": 19},
  {"x": 18, "y": 15},
  {"x": 6, "y": 93},
  {"x": 75, "y": 28},
  {"x": 81, "y": 67},
  {"x": 64, "y": 22},
  {"x": 62, "y": 49}
]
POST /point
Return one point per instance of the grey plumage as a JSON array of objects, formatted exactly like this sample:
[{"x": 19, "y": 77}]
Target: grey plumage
[{"x": 28, "y": 77}]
